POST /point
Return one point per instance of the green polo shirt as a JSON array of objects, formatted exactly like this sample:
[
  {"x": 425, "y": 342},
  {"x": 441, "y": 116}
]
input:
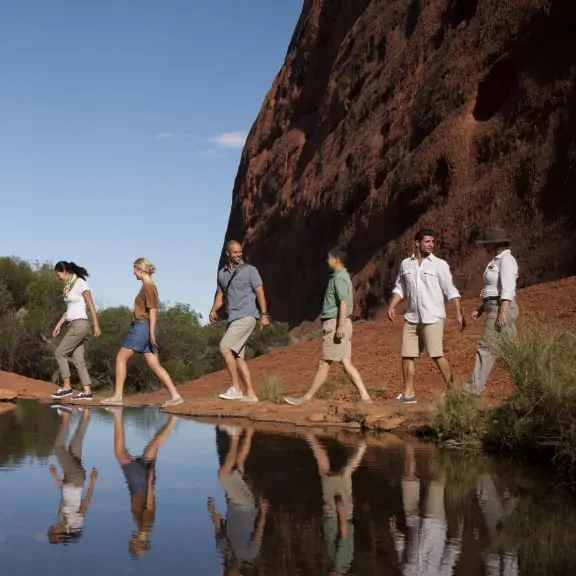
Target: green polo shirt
[{"x": 339, "y": 288}]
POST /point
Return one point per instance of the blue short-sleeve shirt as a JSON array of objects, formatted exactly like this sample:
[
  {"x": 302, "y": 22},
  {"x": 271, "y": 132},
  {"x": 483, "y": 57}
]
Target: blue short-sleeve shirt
[{"x": 241, "y": 296}]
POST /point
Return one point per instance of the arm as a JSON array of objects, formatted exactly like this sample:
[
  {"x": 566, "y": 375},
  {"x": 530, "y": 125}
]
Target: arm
[
  {"x": 153, "y": 315},
  {"x": 258, "y": 287},
  {"x": 508, "y": 274},
  {"x": 90, "y": 302},
  {"x": 54, "y": 475},
  {"x": 259, "y": 532},
  {"x": 342, "y": 289},
  {"x": 397, "y": 296},
  {"x": 89, "y": 493},
  {"x": 59, "y": 325},
  {"x": 451, "y": 292},
  {"x": 218, "y": 303}
]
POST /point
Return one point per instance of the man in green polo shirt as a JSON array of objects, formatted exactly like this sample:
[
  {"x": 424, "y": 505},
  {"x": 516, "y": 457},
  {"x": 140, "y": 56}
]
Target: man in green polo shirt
[{"x": 336, "y": 329}]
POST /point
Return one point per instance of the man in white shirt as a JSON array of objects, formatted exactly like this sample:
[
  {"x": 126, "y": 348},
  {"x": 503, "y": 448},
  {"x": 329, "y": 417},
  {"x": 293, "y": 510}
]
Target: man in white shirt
[{"x": 424, "y": 280}]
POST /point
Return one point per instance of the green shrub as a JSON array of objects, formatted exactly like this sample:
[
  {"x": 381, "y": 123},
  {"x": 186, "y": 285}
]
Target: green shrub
[{"x": 270, "y": 389}]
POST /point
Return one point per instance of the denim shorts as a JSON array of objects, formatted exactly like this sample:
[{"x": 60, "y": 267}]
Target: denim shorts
[{"x": 138, "y": 338}]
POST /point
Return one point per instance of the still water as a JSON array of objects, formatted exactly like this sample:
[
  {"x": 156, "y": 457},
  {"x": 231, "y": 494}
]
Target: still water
[{"x": 116, "y": 492}]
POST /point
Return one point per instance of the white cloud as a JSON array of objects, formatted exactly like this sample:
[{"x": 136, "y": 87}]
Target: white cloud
[
  {"x": 231, "y": 139},
  {"x": 165, "y": 135}
]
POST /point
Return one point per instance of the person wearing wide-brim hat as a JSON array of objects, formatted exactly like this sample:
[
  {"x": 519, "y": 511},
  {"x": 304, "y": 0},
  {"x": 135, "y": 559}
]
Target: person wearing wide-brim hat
[{"x": 498, "y": 303}]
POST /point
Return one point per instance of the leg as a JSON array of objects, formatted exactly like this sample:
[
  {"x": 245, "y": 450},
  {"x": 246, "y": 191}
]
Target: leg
[
  {"x": 77, "y": 441},
  {"x": 355, "y": 377},
  {"x": 124, "y": 354},
  {"x": 245, "y": 448},
  {"x": 120, "y": 452},
  {"x": 61, "y": 355},
  {"x": 329, "y": 353},
  {"x": 245, "y": 377},
  {"x": 433, "y": 341},
  {"x": 445, "y": 369},
  {"x": 231, "y": 456},
  {"x": 319, "y": 379},
  {"x": 151, "y": 451},
  {"x": 232, "y": 366},
  {"x": 154, "y": 364},
  {"x": 80, "y": 364},
  {"x": 485, "y": 356},
  {"x": 411, "y": 345}
]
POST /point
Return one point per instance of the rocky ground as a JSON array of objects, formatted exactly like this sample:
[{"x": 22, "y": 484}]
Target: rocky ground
[{"x": 376, "y": 346}]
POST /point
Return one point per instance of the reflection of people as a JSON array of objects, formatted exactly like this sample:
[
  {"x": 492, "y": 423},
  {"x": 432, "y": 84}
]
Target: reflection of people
[
  {"x": 142, "y": 337},
  {"x": 73, "y": 507},
  {"x": 337, "y": 329},
  {"x": 498, "y": 302},
  {"x": 424, "y": 280},
  {"x": 140, "y": 474},
  {"x": 338, "y": 505},
  {"x": 424, "y": 551},
  {"x": 495, "y": 509},
  {"x": 239, "y": 535},
  {"x": 77, "y": 296},
  {"x": 239, "y": 288}
]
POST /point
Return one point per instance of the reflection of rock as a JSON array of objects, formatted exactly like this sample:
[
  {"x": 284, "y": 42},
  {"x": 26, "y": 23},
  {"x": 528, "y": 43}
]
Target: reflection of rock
[
  {"x": 7, "y": 407},
  {"x": 7, "y": 395}
]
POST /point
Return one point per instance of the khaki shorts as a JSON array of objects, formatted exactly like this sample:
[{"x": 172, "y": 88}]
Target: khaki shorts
[
  {"x": 336, "y": 350},
  {"x": 417, "y": 338},
  {"x": 237, "y": 335}
]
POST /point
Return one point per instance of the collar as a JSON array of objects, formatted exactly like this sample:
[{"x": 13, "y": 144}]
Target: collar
[
  {"x": 231, "y": 268},
  {"x": 339, "y": 271},
  {"x": 503, "y": 253},
  {"x": 430, "y": 257}
]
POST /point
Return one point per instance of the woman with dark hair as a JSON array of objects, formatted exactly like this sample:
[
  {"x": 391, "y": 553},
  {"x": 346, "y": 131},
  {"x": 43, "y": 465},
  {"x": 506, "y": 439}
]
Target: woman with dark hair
[
  {"x": 142, "y": 337},
  {"x": 77, "y": 296}
]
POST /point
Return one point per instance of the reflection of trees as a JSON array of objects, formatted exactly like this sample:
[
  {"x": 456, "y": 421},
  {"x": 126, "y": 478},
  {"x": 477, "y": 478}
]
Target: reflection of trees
[
  {"x": 29, "y": 431},
  {"x": 144, "y": 421}
]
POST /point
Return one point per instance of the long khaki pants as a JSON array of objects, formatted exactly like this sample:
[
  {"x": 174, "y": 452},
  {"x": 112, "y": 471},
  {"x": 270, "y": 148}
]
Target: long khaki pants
[
  {"x": 485, "y": 356},
  {"x": 72, "y": 346}
]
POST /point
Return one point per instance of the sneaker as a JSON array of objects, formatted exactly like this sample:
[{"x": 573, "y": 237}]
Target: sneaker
[
  {"x": 112, "y": 401},
  {"x": 231, "y": 394},
  {"x": 61, "y": 408},
  {"x": 296, "y": 401},
  {"x": 62, "y": 393},
  {"x": 172, "y": 402},
  {"x": 406, "y": 399},
  {"x": 248, "y": 399},
  {"x": 83, "y": 396},
  {"x": 231, "y": 430}
]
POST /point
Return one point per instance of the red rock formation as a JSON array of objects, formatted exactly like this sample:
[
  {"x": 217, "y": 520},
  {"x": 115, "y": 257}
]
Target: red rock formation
[{"x": 388, "y": 115}]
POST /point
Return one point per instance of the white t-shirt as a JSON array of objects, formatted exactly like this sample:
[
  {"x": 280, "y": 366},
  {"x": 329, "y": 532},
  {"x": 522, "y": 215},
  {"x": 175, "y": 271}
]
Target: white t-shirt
[
  {"x": 71, "y": 503},
  {"x": 75, "y": 303}
]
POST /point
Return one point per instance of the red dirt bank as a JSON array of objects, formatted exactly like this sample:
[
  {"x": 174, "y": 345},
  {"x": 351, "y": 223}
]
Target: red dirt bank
[{"x": 376, "y": 355}]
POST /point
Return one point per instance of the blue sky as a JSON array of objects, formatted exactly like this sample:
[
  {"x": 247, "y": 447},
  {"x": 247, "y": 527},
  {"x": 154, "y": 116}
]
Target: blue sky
[{"x": 121, "y": 127}]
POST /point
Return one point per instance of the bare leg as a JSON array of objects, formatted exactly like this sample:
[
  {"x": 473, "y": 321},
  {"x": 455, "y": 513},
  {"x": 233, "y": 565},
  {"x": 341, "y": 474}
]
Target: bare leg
[
  {"x": 120, "y": 439},
  {"x": 230, "y": 359},
  {"x": 408, "y": 371},
  {"x": 320, "y": 454},
  {"x": 245, "y": 448},
  {"x": 154, "y": 364},
  {"x": 151, "y": 451},
  {"x": 230, "y": 460},
  {"x": 445, "y": 369},
  {"x": 319, "y": 379},
  {"x": 245, "y": 377},
  {"x": 355, "y": 377},
  {"x": 124, "y": 354}
]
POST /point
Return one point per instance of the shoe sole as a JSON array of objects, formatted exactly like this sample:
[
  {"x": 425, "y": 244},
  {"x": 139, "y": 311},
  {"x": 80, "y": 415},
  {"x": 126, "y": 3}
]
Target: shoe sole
[{"x": 224, "y": 397}]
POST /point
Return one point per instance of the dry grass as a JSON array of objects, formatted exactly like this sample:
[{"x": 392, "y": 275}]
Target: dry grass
[{"x": 270, "y": 389}]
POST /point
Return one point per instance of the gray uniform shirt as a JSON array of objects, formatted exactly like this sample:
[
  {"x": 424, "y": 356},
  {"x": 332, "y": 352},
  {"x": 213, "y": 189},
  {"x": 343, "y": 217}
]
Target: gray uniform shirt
[{"x": 240, "y": 299}]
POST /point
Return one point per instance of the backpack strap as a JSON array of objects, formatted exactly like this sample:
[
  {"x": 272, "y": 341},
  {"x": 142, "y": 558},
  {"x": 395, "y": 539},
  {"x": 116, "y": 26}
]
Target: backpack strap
[{"x": 238, "y": 268}]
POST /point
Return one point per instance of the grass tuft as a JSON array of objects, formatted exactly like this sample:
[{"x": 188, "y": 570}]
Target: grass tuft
[{"x": 270, "y": 389}]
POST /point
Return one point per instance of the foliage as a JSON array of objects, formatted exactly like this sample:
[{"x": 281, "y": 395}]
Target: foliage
[
  {"x": 31, "y": 304},
  {"x": 270, "y": 389}
]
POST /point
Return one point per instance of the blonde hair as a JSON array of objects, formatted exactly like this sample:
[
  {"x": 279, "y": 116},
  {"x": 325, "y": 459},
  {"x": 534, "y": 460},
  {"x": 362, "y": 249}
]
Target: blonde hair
[{"x": 145, "y": 265}]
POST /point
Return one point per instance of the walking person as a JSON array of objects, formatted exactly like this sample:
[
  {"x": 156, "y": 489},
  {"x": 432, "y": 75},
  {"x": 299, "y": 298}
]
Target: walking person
[
  {"x": 77, "y": 296},
  {"x": 239, "y": 288},
  {"x": 142, "y": 337},
  {"x": 336, "y": 329},
  {"x": 73, "y": 507},
  {"x": 424, "y": 280},
  {"x": 498, "y": 303}
]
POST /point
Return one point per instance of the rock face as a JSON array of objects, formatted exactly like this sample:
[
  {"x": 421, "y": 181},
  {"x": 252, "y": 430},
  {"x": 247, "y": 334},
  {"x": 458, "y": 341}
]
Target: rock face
[{"x": 389, "y": 115}]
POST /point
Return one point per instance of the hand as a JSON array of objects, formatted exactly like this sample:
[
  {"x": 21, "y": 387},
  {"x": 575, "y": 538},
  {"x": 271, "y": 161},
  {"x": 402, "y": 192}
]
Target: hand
[
  {"x": 97, "y": 331},
  {"x": 391, "y": 314},
  {"x": 264, "y": 321},
  {"x": 94, "y": 474},
  {"x": 56, "y": 331},
  {"x": 53, "y": 469},
  {"x": 340, "y": 334},
  {"x": 153, "y": 342},
  {"x": 501, "y": 320},
  {"x": 477, "y": 313},
  {"x": 461, "y": 322},
  {"x": 211, "y": 505},
  {"x": 213, "y": 316}
]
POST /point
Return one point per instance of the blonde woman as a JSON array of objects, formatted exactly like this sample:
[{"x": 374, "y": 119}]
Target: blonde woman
[{"x": 142, "y": 337}]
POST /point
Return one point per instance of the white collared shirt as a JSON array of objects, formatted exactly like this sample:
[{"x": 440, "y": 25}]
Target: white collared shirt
[
  {"x": 425, "y": 286},
  {"x": 500, "y": 277}
]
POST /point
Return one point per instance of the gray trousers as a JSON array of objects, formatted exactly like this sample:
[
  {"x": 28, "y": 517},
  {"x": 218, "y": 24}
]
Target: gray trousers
[
  {"x": 70, "y": 459},
  {"x": 72, "y": 346},
  {"x": 485, "y": 356}
]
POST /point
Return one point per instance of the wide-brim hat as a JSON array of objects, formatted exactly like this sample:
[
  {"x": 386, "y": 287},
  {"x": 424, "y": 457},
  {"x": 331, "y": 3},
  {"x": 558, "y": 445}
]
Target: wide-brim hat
[{"x": 493, "y": 236}]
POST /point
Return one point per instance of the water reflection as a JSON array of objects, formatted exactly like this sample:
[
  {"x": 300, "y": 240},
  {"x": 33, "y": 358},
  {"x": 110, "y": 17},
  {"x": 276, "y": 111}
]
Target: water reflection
[{"x": 310, "y": 503}]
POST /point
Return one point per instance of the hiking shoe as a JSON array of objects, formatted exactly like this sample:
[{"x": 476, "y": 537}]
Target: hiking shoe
[
  {"x": 231, "y": 394},
  {"x": 62, "y": 393},
  {"x": 406, "y": 399},
  {"x": 172, "y": 402},
  {"x": 296, "y": 401},
  {"x": 83, "y": 396},
  {"x": 113, "y": 401},
  {"x": 249, "y": 399}
]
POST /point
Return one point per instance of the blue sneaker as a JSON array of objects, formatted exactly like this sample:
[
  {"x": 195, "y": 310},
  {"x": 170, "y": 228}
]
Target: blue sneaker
[
  {"x": 83, "y": 396},
  {"x": 62, "y": 393}
]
